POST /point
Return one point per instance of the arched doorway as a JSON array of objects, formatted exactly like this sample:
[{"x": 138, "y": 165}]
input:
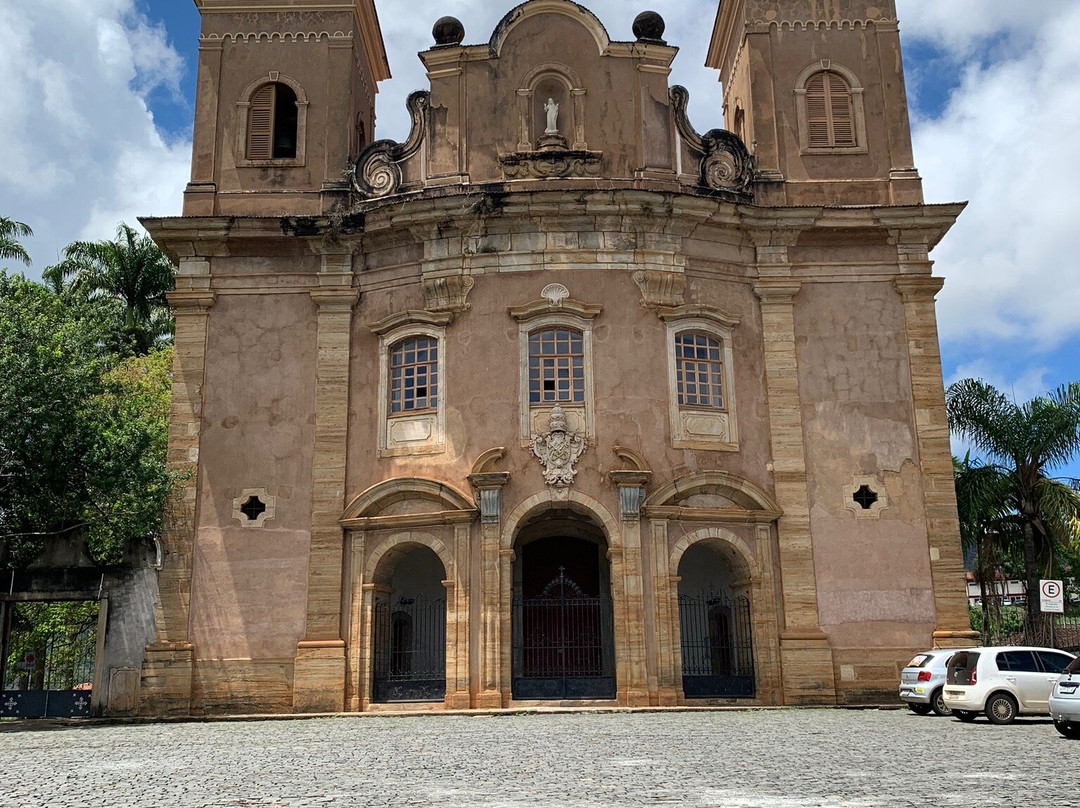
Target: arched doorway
[
  {"x": 409, "y": 628},
  {"x": 715, "y": 623},
  {"x": 563, "y": 628}
]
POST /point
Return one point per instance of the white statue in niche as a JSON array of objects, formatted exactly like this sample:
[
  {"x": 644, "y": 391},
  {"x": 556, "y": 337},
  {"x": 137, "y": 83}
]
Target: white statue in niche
[{"x": 552, "y": 110}]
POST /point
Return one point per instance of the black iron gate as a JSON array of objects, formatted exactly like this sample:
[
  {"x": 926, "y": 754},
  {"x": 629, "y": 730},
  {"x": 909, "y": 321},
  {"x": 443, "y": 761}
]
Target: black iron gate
[
  {"x": 717, "y": 647},
  {"x": 563, "y": 644},
  {"x": 49, "y": 665},
  {"x": 410, "y": 650}
]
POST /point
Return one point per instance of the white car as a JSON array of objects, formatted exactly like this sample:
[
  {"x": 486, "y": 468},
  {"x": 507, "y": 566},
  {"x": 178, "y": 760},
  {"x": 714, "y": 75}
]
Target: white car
[
  {"x": 1065, "y": 702},
  {"x": 1002, "y": 683}
]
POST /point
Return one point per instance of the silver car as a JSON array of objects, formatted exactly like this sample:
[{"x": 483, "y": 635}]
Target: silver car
[
  {"x": 922, "y": 681},
  {"x": 1065, "y": 701}
]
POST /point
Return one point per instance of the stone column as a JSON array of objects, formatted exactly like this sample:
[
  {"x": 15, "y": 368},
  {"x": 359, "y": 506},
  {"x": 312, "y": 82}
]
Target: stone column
[
  {"x": 355, "y": 632},
  {"x": 168, "y": 665},
  {"x": 505, "y": 567},
  {"x": 458, "y": 696},
  {"x": 319, "y": 671},
  {"x": 806, "y": 656},
  {"x": 953, "y": 627},
  {"x": 669, "y": 669},
  {"x": 201, "y": 193},
  {"x": 365, "y": 656},
  {"x": 631, "y": 486},
  {"x": 489, "y": 494}
]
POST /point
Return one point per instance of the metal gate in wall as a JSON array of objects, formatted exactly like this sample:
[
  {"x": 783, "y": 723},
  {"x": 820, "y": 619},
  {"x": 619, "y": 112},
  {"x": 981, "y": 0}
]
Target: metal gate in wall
[
  {"x": 563, "y": 643},
  {"x": 717, "y": 647},
  {"x": 410, "y": 650},
  {"x": 49, "y": 664}
]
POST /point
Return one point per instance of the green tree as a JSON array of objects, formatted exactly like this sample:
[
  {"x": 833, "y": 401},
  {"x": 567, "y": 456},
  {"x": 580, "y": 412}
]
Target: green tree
[
  {"x": 11, "y": 249},
  {"x": 131, "y": 272},
  {"x": 1023, "y": 443},
  {"x": 82, "y": 437}
]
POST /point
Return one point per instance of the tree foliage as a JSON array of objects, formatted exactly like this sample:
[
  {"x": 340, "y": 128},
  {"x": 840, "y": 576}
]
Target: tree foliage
[
  {"x": 83, "y": 435},
  {"x": 129, "y": 274},
  {"x": 1014, "y": 492},
  {"x": 11, "y": 249}
]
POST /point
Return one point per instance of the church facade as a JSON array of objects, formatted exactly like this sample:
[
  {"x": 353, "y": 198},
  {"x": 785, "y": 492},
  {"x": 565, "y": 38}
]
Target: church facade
[{"x": 559, "y": 400}]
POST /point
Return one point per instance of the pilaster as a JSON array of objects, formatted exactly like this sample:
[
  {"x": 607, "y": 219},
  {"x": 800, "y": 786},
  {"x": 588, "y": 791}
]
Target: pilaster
[
  {"x": 953, "y": 627},
  {"x": 489, "y": 487},
  {"x": 319, "y": 671},
  {"x": 806, "y": 656},
  {"x": 169, "y": 660},
  {"x": 631, "y": 485}
]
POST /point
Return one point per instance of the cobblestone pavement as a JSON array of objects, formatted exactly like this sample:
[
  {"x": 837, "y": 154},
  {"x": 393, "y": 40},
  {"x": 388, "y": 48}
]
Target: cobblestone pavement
[{"x": 772, "y": 759}]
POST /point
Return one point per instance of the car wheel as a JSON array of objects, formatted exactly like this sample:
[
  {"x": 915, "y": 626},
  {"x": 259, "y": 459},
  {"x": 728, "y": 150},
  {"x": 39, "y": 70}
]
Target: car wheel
[
  {"x": 1070, "y": 729},
  {"x": 919, "y": 709},
  {"x": 937, "y": 702},
  {"x": 964, "y": 715},
  {"x": 1001, "y": 709}
]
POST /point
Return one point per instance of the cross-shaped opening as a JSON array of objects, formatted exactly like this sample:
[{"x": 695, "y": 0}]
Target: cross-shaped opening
[
  {"x": 865, "y": 497},
  {"x": 253, "y": 508}
]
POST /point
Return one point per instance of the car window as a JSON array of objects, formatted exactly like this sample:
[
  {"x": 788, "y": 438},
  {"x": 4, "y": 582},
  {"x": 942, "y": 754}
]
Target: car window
[
  {"x": 1053, "y": 662},
  {"x": 1074, "y": 666},
  {"x": 920, "y": 660},
  {"x": 1017, "y": 662},
  {"x": 960, "y": 667}
]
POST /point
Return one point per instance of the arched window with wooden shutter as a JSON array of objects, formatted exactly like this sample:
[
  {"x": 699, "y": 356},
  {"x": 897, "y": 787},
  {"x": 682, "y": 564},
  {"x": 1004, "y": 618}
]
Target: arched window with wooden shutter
[
  {"x": 272, "y": 123},
  {"x": 829, "y": 111}
]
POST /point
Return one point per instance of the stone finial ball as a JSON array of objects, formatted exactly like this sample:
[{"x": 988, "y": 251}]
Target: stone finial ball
[
  {"x": 649, "y": 27},
  {"x": 448, "y": 31}
]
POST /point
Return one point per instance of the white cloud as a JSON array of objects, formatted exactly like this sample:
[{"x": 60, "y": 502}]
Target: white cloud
[
  {"x": 80, "y": 148},
  {"x": 1004, "y": 142}
]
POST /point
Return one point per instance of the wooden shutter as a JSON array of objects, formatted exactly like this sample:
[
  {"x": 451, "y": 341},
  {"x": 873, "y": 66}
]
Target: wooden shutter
[
  {"x": 817, "y": 111},
  {"x": 840, "y": 109},
  {"x": 830, "y": 114},
  {"x": 261, "y": 123}
]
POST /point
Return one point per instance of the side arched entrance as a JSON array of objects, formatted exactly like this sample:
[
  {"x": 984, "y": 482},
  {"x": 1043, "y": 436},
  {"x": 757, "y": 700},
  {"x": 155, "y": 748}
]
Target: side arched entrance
[
  {"x": 409, "y": 628},
  {"x": 716, "y": 633},
  {"x": 562, "y": 629}
]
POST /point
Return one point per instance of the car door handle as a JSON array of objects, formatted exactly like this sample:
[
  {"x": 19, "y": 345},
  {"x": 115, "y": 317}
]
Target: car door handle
[{"x": 1011, "y": 679}]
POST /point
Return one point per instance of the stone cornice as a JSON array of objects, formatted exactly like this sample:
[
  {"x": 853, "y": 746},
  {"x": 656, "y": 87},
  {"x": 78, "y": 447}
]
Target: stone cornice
[{"x": 408, "y": 520}]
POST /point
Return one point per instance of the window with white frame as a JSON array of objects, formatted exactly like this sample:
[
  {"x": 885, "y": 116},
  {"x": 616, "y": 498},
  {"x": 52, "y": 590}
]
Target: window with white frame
[
  {"x": 414, "y": 376},
  {"x": 412, "y": 383},
  {"x": 556, "y": 366},
  {"x": 701, "y": 379},
  {"x": 699, "y": 370},
  {"x": 556, "y": 361}
]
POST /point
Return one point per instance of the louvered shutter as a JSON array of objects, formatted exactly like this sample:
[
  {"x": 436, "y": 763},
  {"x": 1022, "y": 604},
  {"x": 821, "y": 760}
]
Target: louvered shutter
[
  {"x": 261, "y": 123},
  {"x": 817, "y": 110},
  {"x": 840, "y": 107}
]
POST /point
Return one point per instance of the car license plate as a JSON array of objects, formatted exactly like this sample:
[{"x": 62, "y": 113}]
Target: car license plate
[{"x": 1069, "y": 686}]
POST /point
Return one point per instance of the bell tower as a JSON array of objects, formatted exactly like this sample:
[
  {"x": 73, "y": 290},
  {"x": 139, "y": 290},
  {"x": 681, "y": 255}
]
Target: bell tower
[
  {"x": 816, "y": 89},
  {"x": 286, "y": 97}
]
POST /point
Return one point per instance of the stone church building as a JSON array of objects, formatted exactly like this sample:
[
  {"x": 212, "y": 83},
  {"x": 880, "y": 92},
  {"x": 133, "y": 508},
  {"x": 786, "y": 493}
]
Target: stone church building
[{"x": 559, "y": 400}]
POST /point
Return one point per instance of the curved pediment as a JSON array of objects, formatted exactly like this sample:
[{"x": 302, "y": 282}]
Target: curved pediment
[
  {"x": 714, "y": 491},
  {"x": 535, "y": 8},
  {"x": 407, "y": 499}
]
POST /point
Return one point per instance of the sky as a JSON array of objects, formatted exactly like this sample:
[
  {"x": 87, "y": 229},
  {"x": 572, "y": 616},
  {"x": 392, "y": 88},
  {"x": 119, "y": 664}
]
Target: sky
[{"x": 98, "y": 102}]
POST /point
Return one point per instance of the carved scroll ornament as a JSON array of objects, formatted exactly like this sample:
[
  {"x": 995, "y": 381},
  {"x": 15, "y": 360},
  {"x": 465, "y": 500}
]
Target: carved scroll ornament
[
  {"x": 726, "y": 164},
  {"x": 378, "y": 168}
]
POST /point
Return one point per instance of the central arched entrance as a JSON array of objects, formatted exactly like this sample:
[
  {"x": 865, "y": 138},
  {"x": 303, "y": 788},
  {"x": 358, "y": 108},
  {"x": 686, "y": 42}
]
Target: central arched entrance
[
  {"x": 563, "y": 629},
  {"x": 409, "y": 628}
]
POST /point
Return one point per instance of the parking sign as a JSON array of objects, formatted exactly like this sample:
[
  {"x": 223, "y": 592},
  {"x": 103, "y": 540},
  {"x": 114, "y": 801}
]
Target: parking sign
[{"x": 1052, "y": 597}]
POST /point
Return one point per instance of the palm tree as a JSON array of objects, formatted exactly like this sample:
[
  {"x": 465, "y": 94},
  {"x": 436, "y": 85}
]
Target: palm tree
[
  {"x": 10, "y": 233},
  {"x": 131, "y": 271},
  {"x": 1023, "y": 442}
]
